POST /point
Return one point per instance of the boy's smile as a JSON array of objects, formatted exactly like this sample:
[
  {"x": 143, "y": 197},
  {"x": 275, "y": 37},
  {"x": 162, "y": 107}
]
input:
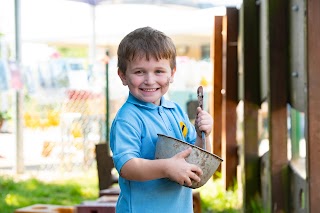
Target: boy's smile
[{"x": 148, "y": 80}]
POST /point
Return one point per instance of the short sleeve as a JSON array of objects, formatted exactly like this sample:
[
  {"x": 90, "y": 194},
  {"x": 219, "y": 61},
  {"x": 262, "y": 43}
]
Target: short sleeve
[{"x": 125, "y": 143}]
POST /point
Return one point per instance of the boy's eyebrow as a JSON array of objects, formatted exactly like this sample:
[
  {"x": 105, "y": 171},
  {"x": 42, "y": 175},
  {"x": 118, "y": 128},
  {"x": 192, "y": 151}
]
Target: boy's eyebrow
[
  {"x": 142, "y": 68},
  {"x": 137, "y": 68}
]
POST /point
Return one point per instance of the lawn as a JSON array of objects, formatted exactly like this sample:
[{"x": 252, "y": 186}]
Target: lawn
[{"x": 17, "y": 193}]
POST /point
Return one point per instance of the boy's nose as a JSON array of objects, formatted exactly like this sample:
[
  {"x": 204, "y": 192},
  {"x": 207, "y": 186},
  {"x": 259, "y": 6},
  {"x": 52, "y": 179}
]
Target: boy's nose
[{"x": 149, "y": 79}]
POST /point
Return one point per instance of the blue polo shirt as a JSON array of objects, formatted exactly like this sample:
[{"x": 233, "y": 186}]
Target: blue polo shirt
[{"x": 134, "y": 135}]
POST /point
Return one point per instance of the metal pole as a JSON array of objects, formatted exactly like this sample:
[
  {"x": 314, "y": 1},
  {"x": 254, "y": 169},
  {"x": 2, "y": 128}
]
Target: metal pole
[
  {"x": 107, "y": 97},
  {"x": 92, "y": 45},
  {"x": 19, "y": 96},
  {"x": 17, "y": 10}
]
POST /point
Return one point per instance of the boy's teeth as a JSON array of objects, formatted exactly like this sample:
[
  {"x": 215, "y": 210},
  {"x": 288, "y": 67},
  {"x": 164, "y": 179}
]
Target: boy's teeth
[{"x": 149, "y": 90}]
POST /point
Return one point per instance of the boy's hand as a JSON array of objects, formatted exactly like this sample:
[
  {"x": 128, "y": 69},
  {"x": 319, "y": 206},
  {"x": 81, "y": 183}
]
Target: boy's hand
[
  {"x": 181, "y": 171},
  {"x": 203, "y": 122}
]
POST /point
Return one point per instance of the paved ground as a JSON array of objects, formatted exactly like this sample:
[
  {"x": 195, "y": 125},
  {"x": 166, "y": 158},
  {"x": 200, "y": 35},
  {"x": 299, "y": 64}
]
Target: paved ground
[
  {"x": 32, "y": 147},
  {"x": 38, "y": 157}
]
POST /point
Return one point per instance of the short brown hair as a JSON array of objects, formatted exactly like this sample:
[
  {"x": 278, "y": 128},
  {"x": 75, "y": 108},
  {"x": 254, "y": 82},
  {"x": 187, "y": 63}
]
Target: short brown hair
[{"x": 146, "y": 42}]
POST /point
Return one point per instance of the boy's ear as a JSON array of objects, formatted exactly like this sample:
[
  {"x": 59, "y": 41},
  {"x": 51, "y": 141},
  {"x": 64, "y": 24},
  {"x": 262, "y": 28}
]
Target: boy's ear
[
  {"x": 122, "y": 77},
  {"x": 172, "y": 75}
]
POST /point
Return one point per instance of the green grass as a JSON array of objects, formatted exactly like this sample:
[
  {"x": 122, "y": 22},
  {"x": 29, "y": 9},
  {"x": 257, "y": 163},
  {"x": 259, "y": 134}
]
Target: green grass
[
  {"x": 215, "y": 199},
  {"x": 18, "y": 193}
]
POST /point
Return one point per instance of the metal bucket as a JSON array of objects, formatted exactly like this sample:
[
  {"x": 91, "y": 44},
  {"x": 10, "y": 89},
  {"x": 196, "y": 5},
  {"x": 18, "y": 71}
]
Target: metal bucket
[{"x": 168, "y": 146}]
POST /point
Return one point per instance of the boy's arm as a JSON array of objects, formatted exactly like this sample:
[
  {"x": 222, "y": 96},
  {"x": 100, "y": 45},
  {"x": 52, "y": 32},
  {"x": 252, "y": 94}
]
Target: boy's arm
[{"x": 175, "y": 168}]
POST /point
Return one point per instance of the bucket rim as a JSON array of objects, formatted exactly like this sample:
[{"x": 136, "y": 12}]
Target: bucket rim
[{"x": 192, "y": 145}]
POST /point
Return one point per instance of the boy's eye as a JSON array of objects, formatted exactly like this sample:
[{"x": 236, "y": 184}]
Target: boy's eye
[
  {"x": 138, "y": 72},
  {"x": 159, "y": 71}
]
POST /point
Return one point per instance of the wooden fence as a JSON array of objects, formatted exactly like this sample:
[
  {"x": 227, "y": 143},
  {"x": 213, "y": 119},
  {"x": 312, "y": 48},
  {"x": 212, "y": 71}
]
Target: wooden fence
[{"x": 266, "y": 56}]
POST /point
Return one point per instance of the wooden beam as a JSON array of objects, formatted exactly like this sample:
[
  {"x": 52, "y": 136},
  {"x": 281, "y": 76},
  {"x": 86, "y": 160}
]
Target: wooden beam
[
  {"x": 231, "y": 98},
  {"x": 250, "y": 77},
  {"x": 278, "y": 41},
  {"x": 217, "y": 79},
  {"x": 313, "y": 104}
]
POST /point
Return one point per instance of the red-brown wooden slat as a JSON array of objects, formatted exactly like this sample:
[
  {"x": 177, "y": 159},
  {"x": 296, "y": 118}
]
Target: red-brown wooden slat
[
  {"x": 313, "y": 104},
  {"x": 231, "y": 97},
  {"x": 217, "y": 87}
]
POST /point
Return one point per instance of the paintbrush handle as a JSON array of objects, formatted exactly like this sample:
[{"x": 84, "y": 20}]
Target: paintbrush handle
[{"x": 200, "y": 102}]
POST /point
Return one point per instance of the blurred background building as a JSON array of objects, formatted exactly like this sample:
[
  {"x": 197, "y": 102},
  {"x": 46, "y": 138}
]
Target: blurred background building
[{"x": 62, "y": 90}]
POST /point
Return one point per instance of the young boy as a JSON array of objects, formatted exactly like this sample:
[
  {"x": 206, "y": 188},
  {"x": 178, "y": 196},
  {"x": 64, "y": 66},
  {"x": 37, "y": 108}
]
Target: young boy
[{"x": 147, "y": 64}]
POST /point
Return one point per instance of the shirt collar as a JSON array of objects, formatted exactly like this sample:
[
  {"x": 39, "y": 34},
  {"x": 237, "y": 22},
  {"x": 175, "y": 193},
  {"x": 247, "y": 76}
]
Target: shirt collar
[{"x": 164, "y": 103}]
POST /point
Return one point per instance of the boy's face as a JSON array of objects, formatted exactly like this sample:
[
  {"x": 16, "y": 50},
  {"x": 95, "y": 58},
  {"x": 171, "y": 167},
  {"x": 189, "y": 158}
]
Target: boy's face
[{"x": 148, "y": 80}]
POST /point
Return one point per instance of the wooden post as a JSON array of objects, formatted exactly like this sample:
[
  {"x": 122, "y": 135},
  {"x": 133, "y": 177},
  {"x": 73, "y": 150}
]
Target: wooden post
[
  {"x": 230, "y": 99},
  {"x": 250, "y": 90},
  {"x": 313, "y": 104},
  {"x": 104, "y": 166},
  {"x": 278, "y": 41},
  {"x": 217, "y": 79}
]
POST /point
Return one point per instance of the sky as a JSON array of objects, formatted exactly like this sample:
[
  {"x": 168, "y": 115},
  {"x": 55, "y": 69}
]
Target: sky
[{"x": 69, "y": 21}]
